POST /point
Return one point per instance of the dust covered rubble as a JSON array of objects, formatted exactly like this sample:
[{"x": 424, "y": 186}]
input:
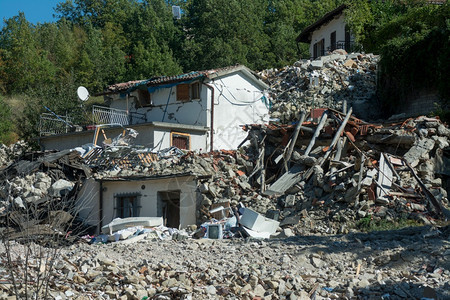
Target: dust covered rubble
[
  {"x": 38, "y": 191},
  {"x": 344, "y": 192},
  {"x": 328, "y": 203},
  {"x": 328, "y": 81},
  {"x": 10, "y": 153},
  {"x": 410, "y": 263}
]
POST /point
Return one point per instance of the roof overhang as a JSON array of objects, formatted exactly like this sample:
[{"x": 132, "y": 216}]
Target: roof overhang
[
  {"x": 305, "y": 35},
  {"x": 250, "y": 74},
  {"x": 168, "y": 81}
]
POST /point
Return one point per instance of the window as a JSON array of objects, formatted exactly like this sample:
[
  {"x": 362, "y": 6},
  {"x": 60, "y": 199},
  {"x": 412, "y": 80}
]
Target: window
[
  {"x": 180, "y": 140},
  {"x": 144, "y": 98},
  {"x": 186, "y": 92},
  {"x": 319, "y": 48},
  {"x": 195, "y": 90},
  {"x": 322, "y": 47},
  {"x": 347, "y": 39},
  {"x": 333, "y": 40},
  {"x": 127, "y": 205},
  {"x": 183, "y": 92}
]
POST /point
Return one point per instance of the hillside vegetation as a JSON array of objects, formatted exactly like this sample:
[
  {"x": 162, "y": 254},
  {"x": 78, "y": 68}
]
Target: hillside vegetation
[{"x": 99, "y": 42}]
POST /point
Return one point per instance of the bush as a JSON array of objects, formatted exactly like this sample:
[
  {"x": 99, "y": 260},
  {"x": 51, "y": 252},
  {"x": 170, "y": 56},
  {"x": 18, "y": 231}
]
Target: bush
[{"x": 7, "y": 135}]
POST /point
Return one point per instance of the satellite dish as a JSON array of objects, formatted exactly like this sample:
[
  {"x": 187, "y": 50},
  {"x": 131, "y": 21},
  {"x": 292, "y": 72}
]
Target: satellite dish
[{"x": 83, "y": 93}]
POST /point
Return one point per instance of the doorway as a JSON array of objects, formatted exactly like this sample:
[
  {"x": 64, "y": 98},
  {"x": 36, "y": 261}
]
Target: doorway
[{"x": 169, "y": 208}]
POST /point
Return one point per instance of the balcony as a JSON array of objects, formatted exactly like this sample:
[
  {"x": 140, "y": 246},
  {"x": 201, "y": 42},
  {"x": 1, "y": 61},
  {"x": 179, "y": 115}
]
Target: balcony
[
  {"x": 52, "y": 124},
  {"x": 106, "y": 115},
  {"x": 348, "y": 46}
]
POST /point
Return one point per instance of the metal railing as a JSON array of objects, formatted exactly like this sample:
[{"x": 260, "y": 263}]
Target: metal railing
[
  {"x": 50, "y": 124},
  {"x": 348, "y": 46},
  {"x": 106, "y": 115}
]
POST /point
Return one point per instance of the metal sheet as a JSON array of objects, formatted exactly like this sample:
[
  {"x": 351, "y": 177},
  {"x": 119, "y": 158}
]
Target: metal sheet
[{"x": 286, "y": 181}]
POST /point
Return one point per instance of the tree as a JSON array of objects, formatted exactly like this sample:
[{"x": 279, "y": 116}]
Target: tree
[
  {"x": 222, "y": 33},
  {"x": 151, "y": 33},
  {"x": 285, "y": 20},
  {"x": 410, "y": 36},
  {"x": 25, "y": 64}
]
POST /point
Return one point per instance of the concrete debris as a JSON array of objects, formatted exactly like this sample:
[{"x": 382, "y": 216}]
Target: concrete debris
[
  {"x": 333, "y": 81},
  {"x": 343, "y": 177},
  {"x": 38, "y": 193},
  {"x": 365, "y": 174},
  {"x": 410, "y": 263},
  {"x": 10, "y": 153}
]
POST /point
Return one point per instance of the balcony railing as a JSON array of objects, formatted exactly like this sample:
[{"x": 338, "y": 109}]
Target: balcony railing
[
  {"x": 106, "y": 115},
  {"x": 348, "y": 46},
  {"x": 51, "y": 124}
]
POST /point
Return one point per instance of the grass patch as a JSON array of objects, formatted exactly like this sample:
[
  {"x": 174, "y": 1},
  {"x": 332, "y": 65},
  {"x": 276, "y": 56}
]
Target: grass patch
[{"x": 368, "y": 224}]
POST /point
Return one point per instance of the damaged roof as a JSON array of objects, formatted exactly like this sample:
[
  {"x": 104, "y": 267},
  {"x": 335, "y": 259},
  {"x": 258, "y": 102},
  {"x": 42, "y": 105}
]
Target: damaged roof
[
  {"x": 305, "y": 35},
  {"x": 194, "y": 75}
]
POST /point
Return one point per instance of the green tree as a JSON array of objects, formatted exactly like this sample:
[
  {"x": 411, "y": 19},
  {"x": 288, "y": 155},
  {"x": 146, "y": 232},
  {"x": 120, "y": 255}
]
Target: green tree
[
  {"x": 151, "y": 33},
  {"x": 222, "y": 33},
  {"x": 284, "y": 22},
  {"x": 25, "y": 64}
]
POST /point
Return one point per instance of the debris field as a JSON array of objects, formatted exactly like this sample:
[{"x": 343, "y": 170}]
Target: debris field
[{"x": 309, "y": 181}]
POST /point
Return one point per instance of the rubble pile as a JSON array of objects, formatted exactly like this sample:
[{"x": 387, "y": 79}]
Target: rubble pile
[
  {"x": 9, "y": 153},
  {"x": 38, "y": 192},
  {"x": 223, "y": 176},
  {"x": 406, "y": 264},
  {"x": 374, "y": 172},
  {"x": 328, "y": 81}
]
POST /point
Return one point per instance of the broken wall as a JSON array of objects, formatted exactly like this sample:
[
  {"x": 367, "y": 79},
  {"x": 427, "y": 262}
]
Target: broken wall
[
  {"x": 88, "y": 202},
  {"x": 148, "y": 197},
  {"x": 166, "y": 108}
]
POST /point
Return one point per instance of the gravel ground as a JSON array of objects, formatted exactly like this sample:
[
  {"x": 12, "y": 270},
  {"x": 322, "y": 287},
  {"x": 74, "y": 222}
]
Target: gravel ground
[{"x": 409, "y": 263}]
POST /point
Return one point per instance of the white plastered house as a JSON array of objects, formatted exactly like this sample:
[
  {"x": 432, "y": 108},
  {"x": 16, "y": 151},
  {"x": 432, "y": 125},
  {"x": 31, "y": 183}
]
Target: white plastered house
[
  {"x": 199, "y": 111},
  {"x": 328, "y": 33}
]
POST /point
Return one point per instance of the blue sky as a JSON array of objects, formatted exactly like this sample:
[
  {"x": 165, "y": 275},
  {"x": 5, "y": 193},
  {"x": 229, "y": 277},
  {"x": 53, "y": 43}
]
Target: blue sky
[{"x": 35, "y": 10}]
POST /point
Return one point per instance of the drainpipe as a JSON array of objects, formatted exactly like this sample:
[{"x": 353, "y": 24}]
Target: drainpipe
[
  {"x": 212, "y": 114},
  {"x": 100, "y": 211}
]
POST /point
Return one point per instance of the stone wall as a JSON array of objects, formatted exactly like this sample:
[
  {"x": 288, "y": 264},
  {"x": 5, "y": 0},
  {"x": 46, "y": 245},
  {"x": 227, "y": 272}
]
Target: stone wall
[{"x": 420, "y": 103}]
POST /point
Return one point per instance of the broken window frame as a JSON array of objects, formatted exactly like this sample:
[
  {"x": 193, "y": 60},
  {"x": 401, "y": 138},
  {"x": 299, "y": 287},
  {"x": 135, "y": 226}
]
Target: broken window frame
[
  {"x": 181, "y": 135},
  {"x": 144, "y": 98},
  {"x": 119, "y": 208}
]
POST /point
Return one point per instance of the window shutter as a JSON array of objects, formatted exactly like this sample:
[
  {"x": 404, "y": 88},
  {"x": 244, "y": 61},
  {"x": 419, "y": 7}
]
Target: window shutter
[{"x": 183, "y": 92}]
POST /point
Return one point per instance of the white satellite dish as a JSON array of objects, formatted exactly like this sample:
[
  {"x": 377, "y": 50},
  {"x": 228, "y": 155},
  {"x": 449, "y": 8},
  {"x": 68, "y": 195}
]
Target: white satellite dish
[{"x": 83, "y": 93}]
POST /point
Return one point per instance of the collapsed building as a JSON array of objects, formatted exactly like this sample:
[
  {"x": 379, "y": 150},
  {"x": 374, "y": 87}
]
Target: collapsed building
[
  {"x": 339, "y": 168},
  {"x": 315, "y": 168}
]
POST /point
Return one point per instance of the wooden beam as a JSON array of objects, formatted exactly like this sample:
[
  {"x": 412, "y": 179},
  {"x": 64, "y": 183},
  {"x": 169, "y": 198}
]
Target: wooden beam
[
  {"x": 322, "y": 121},
  {"x": 294, "y": 138},
  {"x": 336, "y": 136}
]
